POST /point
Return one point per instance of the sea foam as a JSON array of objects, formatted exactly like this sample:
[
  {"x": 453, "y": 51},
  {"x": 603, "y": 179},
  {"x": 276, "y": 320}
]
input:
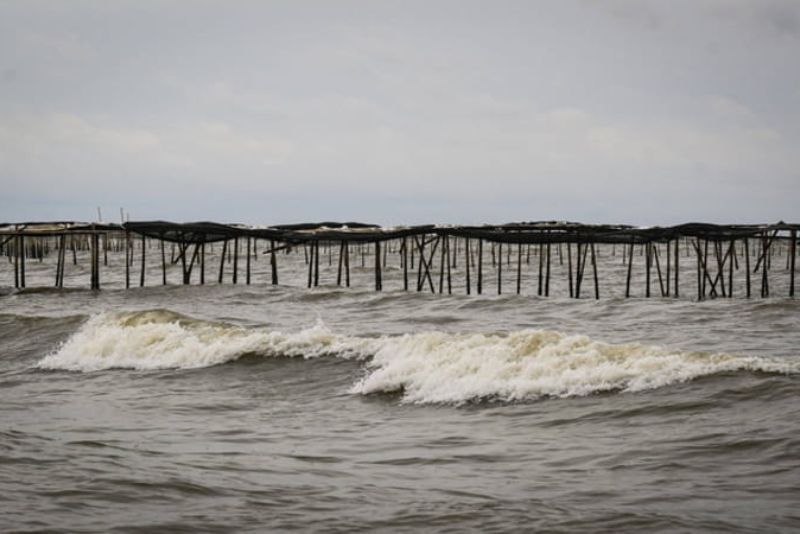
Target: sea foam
[
  {"x": 427, "y": 367},
  {"x": 162, "y": 339}
]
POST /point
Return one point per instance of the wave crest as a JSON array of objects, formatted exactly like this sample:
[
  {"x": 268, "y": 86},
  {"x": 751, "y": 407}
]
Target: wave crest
[
  {"x": 162, "y": 339},
  {"x": 529, "y": 364},
  {"x": 428, "y": 367}
]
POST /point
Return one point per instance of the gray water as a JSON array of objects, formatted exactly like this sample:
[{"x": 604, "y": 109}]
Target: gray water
[{"x": 261, "y": 408}]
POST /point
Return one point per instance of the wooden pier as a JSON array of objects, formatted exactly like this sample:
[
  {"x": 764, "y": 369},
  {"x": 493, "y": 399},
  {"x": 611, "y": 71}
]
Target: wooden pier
[{"x": 429, "y": 255}]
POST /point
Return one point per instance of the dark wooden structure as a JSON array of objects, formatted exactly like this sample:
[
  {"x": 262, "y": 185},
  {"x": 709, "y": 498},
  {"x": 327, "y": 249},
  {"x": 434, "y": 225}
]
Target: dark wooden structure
[{"x": 718, "y": 251}]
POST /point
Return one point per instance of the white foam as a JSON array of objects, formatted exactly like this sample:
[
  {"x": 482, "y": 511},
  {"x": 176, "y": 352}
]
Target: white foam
[
  {"x": 162, "y": 339},
  {"x": 444, "y": 368},
  {"x": 430, "y": 367}
]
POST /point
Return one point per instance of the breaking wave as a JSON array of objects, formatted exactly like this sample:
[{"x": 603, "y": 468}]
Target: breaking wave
[
  {"x": 162, "y": 339},
  {"x": 428, "y": 367}
]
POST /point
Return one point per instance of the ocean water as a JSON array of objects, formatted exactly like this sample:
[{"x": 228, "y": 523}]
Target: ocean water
[{"x": 281, "y": 408}]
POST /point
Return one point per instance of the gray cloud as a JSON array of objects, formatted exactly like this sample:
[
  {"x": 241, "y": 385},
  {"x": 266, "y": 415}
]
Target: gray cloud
[{"x": 642, "y": 112}]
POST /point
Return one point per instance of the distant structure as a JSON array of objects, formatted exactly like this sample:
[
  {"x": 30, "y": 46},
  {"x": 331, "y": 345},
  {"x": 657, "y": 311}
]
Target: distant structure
[{"x": 718, "y": 251}]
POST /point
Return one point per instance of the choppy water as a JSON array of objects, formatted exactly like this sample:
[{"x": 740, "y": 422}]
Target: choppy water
[{"x": 261, "y": 408}]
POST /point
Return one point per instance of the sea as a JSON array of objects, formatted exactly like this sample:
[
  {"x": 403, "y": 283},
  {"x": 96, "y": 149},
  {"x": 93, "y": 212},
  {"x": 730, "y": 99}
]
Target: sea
[{"x": 261, "y": 408}]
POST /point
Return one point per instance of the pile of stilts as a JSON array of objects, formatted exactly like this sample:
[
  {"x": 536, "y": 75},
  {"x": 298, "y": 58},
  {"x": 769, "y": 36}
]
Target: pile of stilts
[{"x": 716, "y": 247}]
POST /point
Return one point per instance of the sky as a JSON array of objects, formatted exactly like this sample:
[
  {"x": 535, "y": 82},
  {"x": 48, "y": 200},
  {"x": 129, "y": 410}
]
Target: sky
[{"x": 401, "y": 112}]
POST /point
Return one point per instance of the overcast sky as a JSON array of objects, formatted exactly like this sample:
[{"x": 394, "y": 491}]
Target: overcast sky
[{"x": 643, "y": 112}]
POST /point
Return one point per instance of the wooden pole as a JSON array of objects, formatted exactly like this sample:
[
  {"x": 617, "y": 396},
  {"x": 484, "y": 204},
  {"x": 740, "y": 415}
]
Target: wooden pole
[
  {"x": 22, "y": 261},
  {"x": 648, "y": 256},
  {"x": 547, "y": 274},
  {"x": 792, "y": 254},
  {"x": 273, "y": 263},
  {"x": 316, "y": 263},
  {"x": 93, "y": 258},
  {"x": 222, "y": 260},
  {"x": 347, "y": 263},
  {"x": 594, "y": 269},
  {"x": 405, "y": 263},
  {"x": 203, "y": 261},
  {"x": 519, "y": 268},
  {"x": 247, "y": 262},
  {"x": 480, "y": 266},
  {"x": 236, "y": 260},
  {"x": 630, "y": 268},
  {"x": 309, "y": 251},
  {"x": 467, "y": 258},
  {"x": 163, "y": 262},
  {"x": 765, "y": 267},
  {"x": 441, "y": 263},
  {"x": 378, "y": 282},
  {"x": 731, "y": 255},
  {"x": 541, "y": 267},
  {"x": 677, "y": 266},
  {"x": 183, "y": 247},
  {"x": 142, "y": 270},
  {"x": 699, "y": 279},
  {"x": 569, "y": 269},
  {"x": 16, "y": 262},
  {"x": 658, "y": 269},
  {"x": 499, "y": 268},
  {"x": 341, "y": 264},
  {"x": 669, "y": 268},
  {"x": 449, "y": 279},
  {"x": 747, "y": 266},
  {"x": 127, "y": 259}
]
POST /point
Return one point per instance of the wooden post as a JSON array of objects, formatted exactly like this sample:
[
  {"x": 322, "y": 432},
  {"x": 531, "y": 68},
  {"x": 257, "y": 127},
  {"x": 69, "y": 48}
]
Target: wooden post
[
  {"x": 341, "y": 264},
  {"x": 630, "y": 268},
  {"x": 22, "y": 261},
  {"x": 677, "y": 266},
  {"x": 765, "y": 267},
  {"x": 441, "y": 263},
  {"x": 569, "y": 269},
  {"x": 541, "y": 267},
  {"x": 405, "y": 263},
  {"x": 421, "y": 247},
  {"x": 247, "y": 275},
  {"x": 580, "y": 258},
  {"x": 648, "y": 257},
  {"x": 480, "y": 266},
  {"x": 127, "y": 259},
  {"x": 203, "y": 261},
  {"x": 60, "y": 261},
  {"x": 222, "y": 260},
  {"x": 519, "y": 268},
  {"x": 163, "y": 262},
  {"x": 16, "y": 262},
  {"x": 378, "y": 282},
  {"x": 183, "y": 247},
  {"x": 594, "y": 269},
  {"x": 273, "y": 263},
  {"x": 669, "y": 270},
  {"x": 499, "y": 268},
  {"x": 731, "y": 256},
  {"x": 467, "y": 258},
  {"x": 658, "y": 268},
  {"x": 449, "y": 279},
  {"x": 347, "y": 263},
  {"x": 236, "y": 260},
  {"x": 92, "y": 262},
  {"x": 308, "y": 248},
  {"x": 141, "y": 272},
  {"x": 316, "y": 263},
  {"x": 547, "y": 273},
  {"x": 792, "y": 254}
]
